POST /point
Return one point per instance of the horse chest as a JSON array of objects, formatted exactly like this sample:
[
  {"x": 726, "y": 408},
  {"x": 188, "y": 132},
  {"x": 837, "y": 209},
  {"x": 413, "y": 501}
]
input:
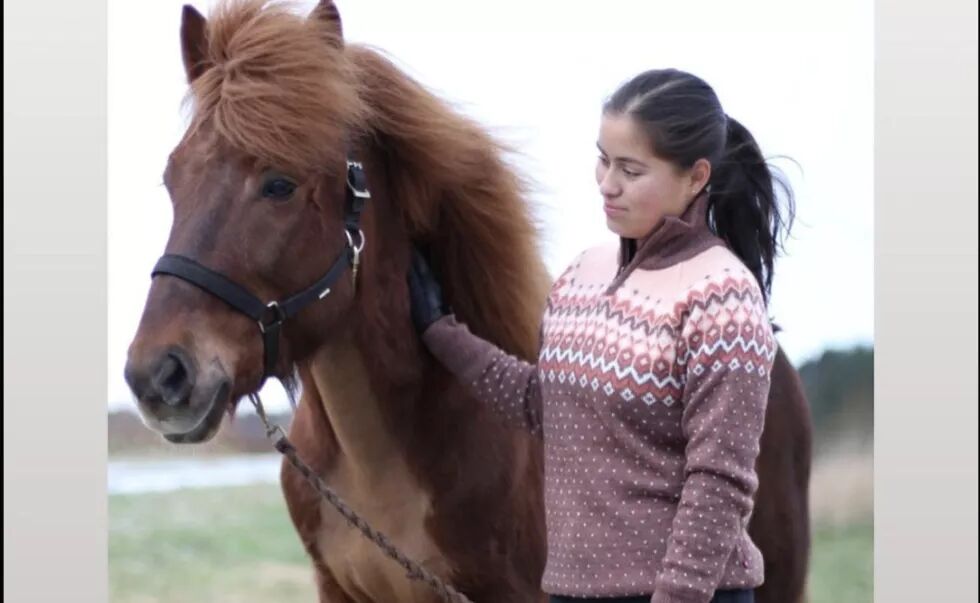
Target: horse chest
[
  {"x": 371, "y": 475},
  {"x": 394, "y": 504}
]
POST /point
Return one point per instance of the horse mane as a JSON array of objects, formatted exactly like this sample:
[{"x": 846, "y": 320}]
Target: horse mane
[
  {"x": 462, "y": 203},
  {"x": 285, "y": 89},
  {"x": 274, "y": 85}
]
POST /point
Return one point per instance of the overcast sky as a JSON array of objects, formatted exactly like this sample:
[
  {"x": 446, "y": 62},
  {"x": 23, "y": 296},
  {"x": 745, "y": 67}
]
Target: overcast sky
[{"x": 798, "y": 75}]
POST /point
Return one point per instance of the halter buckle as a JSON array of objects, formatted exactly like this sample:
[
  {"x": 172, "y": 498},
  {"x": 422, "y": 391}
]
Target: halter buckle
[{"x": 356, "y": 171}]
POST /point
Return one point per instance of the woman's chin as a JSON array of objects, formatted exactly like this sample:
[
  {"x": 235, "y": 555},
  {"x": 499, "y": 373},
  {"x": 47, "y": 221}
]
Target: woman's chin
[{"x": 616, "y": 226}]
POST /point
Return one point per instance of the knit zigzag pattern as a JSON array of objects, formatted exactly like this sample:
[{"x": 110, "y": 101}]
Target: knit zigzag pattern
[{"x": 640, "y": 347}]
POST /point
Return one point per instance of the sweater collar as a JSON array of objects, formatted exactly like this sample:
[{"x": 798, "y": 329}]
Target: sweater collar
[{"x": 675, "y": 239}]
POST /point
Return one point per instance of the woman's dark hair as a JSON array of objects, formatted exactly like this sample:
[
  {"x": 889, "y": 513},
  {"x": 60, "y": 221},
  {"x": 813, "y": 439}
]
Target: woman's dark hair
[{"x": 684, "y": 121}]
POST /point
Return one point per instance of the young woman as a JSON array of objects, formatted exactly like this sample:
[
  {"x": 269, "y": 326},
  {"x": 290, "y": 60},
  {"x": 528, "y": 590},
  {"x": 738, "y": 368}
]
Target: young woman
[{"x": 653, "y": 375}]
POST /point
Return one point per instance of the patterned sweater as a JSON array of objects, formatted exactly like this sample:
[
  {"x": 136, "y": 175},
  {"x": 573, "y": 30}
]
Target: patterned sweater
[{"x": 650, "y": 392}]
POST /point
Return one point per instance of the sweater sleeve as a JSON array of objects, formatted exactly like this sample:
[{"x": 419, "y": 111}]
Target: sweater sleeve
[
  {"x": 509, "y": 385},
  {"x": 729, "y": 348}
]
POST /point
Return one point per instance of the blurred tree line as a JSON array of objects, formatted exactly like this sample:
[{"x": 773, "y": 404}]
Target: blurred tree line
[{"x": 840, "y": 388}]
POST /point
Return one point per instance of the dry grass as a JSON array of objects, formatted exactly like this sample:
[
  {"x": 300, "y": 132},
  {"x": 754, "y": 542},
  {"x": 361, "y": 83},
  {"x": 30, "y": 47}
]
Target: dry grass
[{"x": 842, "y": 485}]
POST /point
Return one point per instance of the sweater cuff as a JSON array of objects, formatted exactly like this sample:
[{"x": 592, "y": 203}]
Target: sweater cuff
[{"x": 461, "y": 352}]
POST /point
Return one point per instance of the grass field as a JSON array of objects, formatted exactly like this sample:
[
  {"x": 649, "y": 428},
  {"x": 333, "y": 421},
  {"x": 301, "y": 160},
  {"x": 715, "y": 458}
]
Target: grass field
[
  {"x": 237, "y": 545},
  {"x": 842, "y": 567},
  {"x": 222, "y": 544}
]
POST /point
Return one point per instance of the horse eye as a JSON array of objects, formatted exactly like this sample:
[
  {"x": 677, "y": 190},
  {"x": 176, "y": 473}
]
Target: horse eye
[{"x": 278, "y": 188}]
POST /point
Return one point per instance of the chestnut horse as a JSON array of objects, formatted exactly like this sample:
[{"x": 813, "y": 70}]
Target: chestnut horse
[{"x": 289, "y": 122}]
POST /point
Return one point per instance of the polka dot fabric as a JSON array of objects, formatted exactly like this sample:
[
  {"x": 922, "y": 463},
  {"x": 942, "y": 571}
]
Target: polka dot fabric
[{"x": 650, "y": 397}]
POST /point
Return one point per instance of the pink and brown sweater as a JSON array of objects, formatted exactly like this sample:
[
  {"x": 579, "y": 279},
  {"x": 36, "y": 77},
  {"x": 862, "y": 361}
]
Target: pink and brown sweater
[{"x": 650, "y": 392}]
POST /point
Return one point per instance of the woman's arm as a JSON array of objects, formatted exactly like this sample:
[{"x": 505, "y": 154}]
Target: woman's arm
[
  {"x": 729, "y": 349},
  {"x": 506, "y": 383}
]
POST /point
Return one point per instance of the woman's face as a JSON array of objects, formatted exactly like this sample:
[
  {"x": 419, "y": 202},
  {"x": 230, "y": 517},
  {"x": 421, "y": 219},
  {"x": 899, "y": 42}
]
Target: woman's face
[{"x": 638, "y": 189}]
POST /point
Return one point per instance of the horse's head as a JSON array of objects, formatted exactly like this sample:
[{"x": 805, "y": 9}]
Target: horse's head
[{"x": 259, "y": 185}]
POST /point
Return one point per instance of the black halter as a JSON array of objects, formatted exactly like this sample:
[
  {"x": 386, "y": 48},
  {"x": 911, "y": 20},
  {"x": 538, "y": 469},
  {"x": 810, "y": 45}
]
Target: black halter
[{"x": 270, "y": 316}]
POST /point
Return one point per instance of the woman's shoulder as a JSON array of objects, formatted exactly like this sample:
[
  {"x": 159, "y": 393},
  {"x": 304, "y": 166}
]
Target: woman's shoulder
[
  {"x": 720, "y": 285},
  {"x": 594, "y": 259},
  {"x": 717, "y": 266},
  {"x": 599, "y": 257}
]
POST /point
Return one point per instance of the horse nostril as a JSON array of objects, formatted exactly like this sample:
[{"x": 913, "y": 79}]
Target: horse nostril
[{"x": 172, "y": 380}]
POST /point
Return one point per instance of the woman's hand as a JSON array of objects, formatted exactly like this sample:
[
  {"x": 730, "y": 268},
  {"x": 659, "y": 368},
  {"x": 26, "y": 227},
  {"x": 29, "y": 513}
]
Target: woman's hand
[{"x": 425, "y": 293}]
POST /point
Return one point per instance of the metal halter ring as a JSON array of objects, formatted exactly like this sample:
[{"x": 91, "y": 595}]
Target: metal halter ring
[
  {"x": 350, "y": 240},
  {"x": 280, "y": 317}
]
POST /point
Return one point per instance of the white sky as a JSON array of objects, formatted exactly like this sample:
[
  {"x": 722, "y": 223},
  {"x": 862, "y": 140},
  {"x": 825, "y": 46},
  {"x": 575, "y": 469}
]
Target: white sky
[{"x": 798, "y": 75}]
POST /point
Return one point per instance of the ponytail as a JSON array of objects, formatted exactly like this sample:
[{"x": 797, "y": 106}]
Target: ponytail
[{"x": 743, "y": 207}]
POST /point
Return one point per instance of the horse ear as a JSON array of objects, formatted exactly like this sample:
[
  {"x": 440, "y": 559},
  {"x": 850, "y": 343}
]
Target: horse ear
[
  {"x": 193, "y": 42},
  {"x": 327, "y": 14}
]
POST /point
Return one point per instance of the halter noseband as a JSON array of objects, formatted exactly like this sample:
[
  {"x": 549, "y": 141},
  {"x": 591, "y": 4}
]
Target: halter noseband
[{"x": 270, "y": 316}]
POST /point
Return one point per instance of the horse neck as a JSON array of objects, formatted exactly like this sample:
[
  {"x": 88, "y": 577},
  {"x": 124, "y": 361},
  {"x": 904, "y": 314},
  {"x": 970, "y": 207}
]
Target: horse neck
[
  {"x": 367, "y": 375},
  {"x": 337, "y": 378}
]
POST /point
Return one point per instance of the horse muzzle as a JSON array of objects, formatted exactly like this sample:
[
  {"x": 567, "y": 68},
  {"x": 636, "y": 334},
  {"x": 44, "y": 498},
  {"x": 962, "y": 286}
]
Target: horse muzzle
[{"x": 177, "y": 397}]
